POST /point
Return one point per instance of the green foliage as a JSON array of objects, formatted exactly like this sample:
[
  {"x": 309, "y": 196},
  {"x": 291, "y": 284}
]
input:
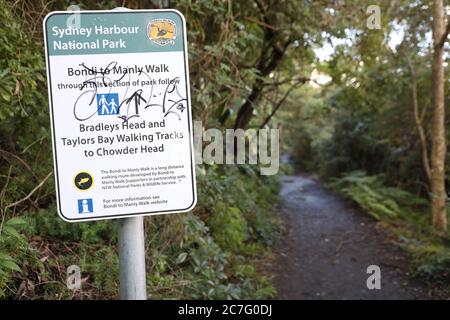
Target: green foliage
[
  {"x": 371, "y": 193},
  {"x": 229, "y": 227},
  {"x": 103, "y": 263},
  {"x": 25, "y": 145},
  {"x": 210, "y": 260},
  {"x": 13, "y": 249},
  {"x": 304, "y": 137},
  {"x": 10, "y": 239},
  {"x": 187, "y": 258},
  {"x": 242, "y": 187},
  {"x": 21, "y": 70},
  {"x": 43, "y": 222},
  {"x": 351, "y": 147},
  {"x": 211, "y": 253},
  {"x": 432, "y": 261}
]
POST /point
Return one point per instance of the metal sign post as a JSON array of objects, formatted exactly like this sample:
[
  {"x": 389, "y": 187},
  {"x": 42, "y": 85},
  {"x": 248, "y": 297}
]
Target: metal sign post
[
  {"x": 132, "y": 259},
  {"x": 132, "y": 279}
]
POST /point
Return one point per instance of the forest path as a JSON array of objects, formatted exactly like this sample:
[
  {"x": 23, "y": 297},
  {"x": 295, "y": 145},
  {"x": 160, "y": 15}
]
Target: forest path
[{"x": 328, "y": 246}]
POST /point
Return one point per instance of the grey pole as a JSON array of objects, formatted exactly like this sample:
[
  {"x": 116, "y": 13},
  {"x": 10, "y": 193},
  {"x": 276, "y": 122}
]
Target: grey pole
[{"x": 133, "y": 284}]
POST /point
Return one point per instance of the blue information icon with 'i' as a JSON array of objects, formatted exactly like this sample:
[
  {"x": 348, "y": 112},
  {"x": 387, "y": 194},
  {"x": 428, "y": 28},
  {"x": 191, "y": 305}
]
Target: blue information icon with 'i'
[
  {"x": 85, "y": 206},
  {"x": 107, "y": 104}
]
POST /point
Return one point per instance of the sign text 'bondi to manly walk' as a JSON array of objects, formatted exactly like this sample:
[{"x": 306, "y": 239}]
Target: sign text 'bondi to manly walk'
[{"x": 120, "y": 113}]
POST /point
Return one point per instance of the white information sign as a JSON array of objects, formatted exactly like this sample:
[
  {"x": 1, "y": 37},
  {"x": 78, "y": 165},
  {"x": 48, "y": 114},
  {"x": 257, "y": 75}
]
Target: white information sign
[{"x": 120, "y": 113}]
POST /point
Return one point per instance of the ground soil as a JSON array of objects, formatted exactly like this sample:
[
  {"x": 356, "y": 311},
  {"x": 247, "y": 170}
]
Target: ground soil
[{"x": 328, "y": 245}]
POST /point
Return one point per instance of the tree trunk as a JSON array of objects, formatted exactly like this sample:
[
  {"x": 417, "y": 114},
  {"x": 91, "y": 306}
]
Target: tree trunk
[
  {"x": 419, "y": 125},
  {"x": 271, "y": 54},
  {"x": 438, "y": 196},
  {"x": 245, "y": 113}
]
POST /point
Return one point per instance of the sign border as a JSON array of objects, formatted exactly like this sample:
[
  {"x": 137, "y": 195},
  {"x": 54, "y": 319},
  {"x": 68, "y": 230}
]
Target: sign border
[{"x": 190, "y": 126}]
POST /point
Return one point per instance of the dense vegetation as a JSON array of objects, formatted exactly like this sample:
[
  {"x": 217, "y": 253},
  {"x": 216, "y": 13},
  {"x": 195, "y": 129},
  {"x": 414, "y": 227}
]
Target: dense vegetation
[
  {"x": 253, "y": 63},
  {"x": 216, "y": 251}
]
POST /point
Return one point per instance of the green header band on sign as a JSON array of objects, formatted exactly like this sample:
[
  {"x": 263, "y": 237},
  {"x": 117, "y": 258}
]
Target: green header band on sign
[{"x": 105, "y": 32}]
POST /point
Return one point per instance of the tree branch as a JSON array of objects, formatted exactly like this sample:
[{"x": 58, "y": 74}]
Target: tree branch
[
  {"x": 31, "y": 193},
  {"x": 26, "y": 165},
  {"x": 280, "y": 103},
  {"x": 261, "y": 23},
  {"x": 277, "y": 83}
]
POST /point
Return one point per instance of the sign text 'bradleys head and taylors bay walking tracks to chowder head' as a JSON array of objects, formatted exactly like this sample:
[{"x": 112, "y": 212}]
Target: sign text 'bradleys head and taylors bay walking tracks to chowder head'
[{"x": 120, "y": 113}]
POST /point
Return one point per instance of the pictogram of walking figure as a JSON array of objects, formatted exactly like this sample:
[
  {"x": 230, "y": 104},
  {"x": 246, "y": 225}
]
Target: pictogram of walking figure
[
  {"x": 113, "y": 106},
  {"x": 104, "y": 104}
]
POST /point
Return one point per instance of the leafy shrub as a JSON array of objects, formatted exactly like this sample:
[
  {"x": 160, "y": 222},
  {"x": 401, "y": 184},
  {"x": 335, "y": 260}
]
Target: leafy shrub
[
  {"x": 432, "y": 261},
  {"x": 370, "y": 193},
  {"x": 13, "y": 249},
  {"x": 229, "y": 227},
  {"x": 211, "y": 260},
  {"x": 47, "y": 224},
  {"x": 103, "y": 264},
  {"x": 21, "y": 70},
  {"x": 190, "y": 255}
]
